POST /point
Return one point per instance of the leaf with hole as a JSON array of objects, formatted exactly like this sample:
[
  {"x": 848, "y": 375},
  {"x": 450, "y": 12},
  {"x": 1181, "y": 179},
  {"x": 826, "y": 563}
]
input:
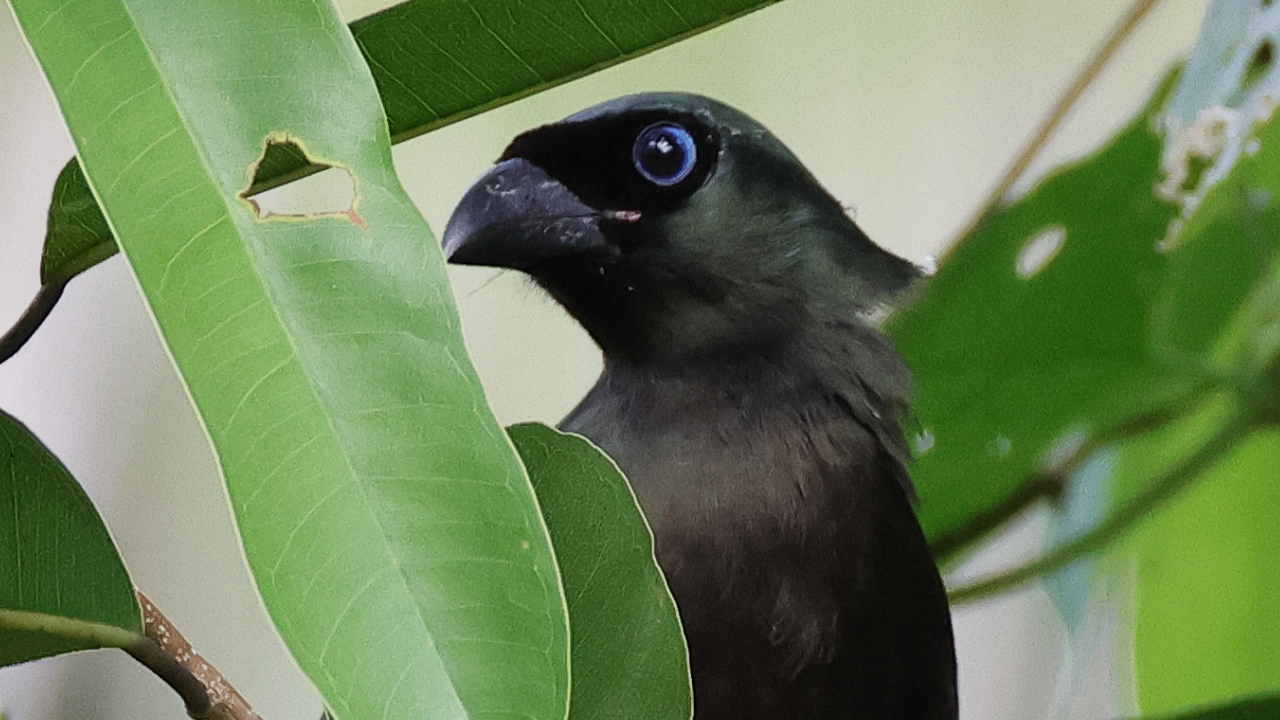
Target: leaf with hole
[
  {"x": 1207, "y": 568},
  {"x": 390, "y": 526},
  {"x": 1034, "y": 333},
  {"x": 1119, "y": 320},
  {"x": 1230, "y": 83},
  {"x": 436, "y": 63}
]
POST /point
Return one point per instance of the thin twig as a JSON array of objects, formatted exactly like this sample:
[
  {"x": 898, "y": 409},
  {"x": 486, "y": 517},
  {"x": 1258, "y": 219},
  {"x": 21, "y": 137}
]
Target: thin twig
[
  {"x": 1040, "y": 486},
  {"x": 167, "y": 668},
  {"x": 205, "y": 691},
  {"x": 39, "y": 309},
  {"x": 87, "y": 631},
  {"x": 162, "y": 650},
  {"x": 1065, "y": 103},
  {"x": 1172, "y": 481},
  {"x": 1049, "y": 484}
]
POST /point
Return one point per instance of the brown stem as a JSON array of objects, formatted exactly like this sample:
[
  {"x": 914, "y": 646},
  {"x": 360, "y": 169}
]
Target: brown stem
[
  {"x": 1050, "y": 125},
  {"x": 35, "y": 314},
  {"x": 205, "y": 691},
  {"x": 1035, "y": 489},
  {"x": 1050, "y": 483},
  {"x": 1172, "y": 482}
]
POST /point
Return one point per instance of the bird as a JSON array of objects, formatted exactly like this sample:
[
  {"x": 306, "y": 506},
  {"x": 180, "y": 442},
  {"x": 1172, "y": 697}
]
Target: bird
[{"x": 746, "y": 394}]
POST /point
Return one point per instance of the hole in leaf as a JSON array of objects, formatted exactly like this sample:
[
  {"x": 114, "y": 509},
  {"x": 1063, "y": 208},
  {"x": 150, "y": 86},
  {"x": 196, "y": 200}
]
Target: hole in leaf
[
  {"x": 328, "y": 193},
  {"x": 1039, "y": 251},
  {"x": 1259, "y": 64},
  {"x": 1193, "y": 152},
  {"x": 924, "y": 442}
]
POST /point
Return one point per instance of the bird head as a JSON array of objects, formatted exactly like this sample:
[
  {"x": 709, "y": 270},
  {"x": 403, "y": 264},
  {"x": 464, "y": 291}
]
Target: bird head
[{"x": 673, "y": 227}]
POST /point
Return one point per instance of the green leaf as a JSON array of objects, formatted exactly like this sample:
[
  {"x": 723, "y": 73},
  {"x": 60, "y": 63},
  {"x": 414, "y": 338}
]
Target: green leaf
[
  {"x": 390, "y": 526},
  {"x": 1208, "y": 576},
  {"x": 1208, "y": 567},
  {"x": 77, "y": 235},
  {"x": 1127, "y": 318},
  {"x": 436, "y": 62},
  {"x": 439, "y": 61},
  {"x": 59, "y": 569},
  {"x": 1229, "y": 85},
  {"x": 629, "y": 655}
]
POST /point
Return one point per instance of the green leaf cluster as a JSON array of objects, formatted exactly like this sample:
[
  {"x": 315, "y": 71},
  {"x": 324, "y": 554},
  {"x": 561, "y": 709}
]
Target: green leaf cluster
[
  {"x": 393, "y": 531},
  {"x": 1104, "y": 347}
]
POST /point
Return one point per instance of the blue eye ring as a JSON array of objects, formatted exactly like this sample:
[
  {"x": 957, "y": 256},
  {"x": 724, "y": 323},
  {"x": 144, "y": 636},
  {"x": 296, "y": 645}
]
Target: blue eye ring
[{"x": 664, "y": 153}]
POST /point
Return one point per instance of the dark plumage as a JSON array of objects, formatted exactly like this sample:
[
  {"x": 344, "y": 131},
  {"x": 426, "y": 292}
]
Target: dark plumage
[{"x": 754, "y": 411}]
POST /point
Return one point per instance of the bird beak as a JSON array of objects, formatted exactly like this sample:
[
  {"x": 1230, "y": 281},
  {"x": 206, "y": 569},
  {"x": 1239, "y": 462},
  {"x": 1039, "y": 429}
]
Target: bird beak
[{"x": 518, "y": 216}]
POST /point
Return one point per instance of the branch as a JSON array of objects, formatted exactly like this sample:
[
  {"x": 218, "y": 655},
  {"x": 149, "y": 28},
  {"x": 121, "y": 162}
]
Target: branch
[
  {"x": 1038, "y": 486},
  {"x": 31, "y": 320},
  {"x": 1065, "y": 103},
  {"x": 1050, "y": 483},
  {"x": 163, "y": 650},
  {"x": 1165, "y": 488},
  {"x": 205, "y": 691}
]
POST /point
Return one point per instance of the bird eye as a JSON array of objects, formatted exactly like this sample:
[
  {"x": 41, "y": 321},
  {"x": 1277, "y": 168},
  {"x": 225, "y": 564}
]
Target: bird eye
[{"x": 664, "y": 154}]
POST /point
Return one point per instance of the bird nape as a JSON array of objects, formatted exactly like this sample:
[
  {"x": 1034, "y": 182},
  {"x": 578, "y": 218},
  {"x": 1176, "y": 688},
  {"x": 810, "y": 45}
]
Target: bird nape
[{"x": 753, "y": 409}]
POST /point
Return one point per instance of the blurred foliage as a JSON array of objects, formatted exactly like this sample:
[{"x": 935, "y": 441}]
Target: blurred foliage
[
  {"x": 1265, "y": 707},
  {"x": 1106, "y": 346},
  {"x": 1064, "y": 349}
]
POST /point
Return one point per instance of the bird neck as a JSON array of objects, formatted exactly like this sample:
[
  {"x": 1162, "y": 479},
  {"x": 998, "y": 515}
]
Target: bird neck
[
  {"x": 647, "y": 413},
  {"x": 842, "y": 363}
]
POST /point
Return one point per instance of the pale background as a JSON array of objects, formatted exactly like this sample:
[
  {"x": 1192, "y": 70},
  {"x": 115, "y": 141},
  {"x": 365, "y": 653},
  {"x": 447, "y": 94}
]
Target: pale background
[{"x": 907, "y": 109}]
